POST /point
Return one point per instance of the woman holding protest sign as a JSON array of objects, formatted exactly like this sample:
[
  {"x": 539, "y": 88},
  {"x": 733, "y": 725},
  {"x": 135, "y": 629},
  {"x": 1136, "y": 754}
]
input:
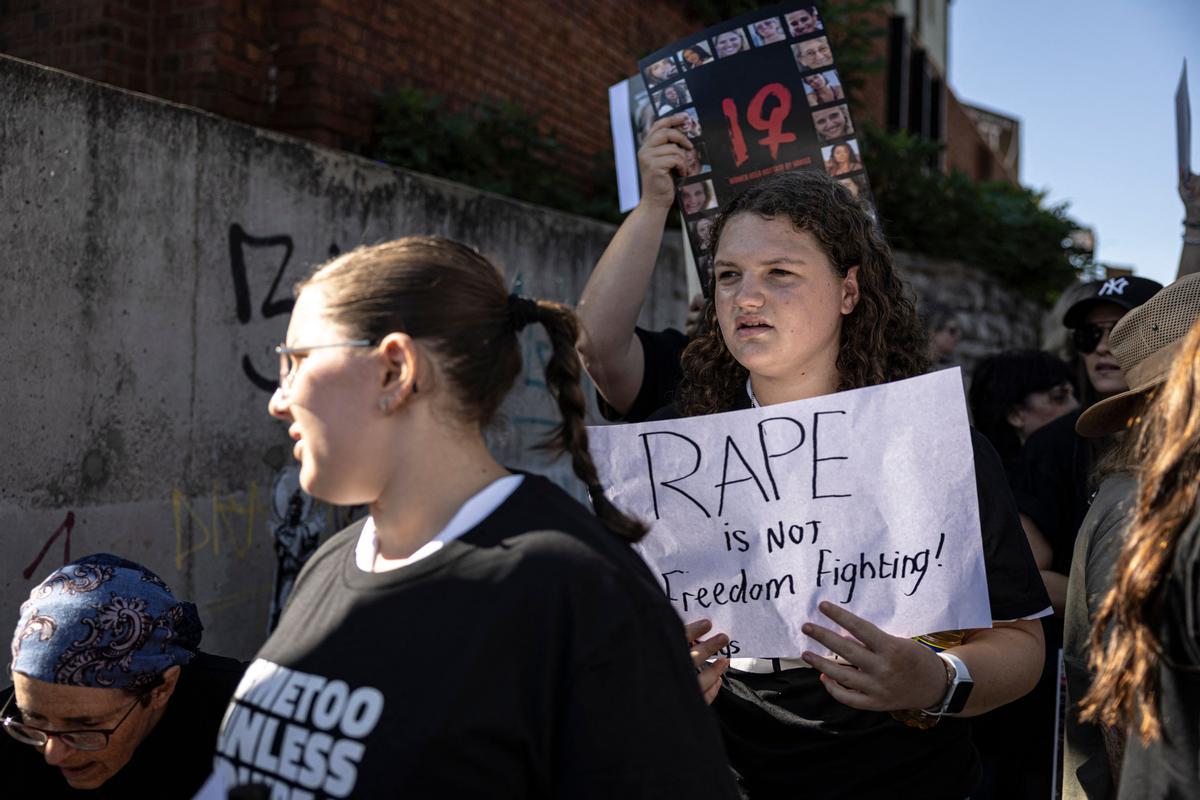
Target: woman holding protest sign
[
  {"x": 479, "y": 633},
  {"x": 806, "y": 303}
]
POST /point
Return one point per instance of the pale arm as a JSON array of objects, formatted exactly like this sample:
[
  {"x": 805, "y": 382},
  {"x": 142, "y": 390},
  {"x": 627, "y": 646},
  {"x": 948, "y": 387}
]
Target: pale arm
[
  {"x": 1005, "y": 661},
  {"x": 893, "y": 673},
  {"x": 1043, "y": 554},
  {"x": 609, "y": 306}
]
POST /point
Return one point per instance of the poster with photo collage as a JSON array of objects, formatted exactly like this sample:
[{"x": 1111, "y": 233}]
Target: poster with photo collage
[{"x": 762, "y": 95}]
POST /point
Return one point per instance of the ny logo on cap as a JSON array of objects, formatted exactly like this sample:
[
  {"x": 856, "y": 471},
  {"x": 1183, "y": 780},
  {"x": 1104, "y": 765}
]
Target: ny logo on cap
[{"x": 1113, "y": 286}]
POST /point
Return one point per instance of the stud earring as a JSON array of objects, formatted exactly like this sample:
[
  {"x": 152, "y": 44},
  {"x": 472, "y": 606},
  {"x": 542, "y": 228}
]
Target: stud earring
[{"x": 383, "y": 404}]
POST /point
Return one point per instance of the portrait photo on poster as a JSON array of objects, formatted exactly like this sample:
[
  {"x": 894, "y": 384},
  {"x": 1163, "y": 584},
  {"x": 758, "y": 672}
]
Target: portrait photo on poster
[
  {"x": 697, "y": 160},
  {"x": 700, "y": 233},
  {"x": 857, "y": 186},
  {"x": 842, "y": 158},
  {"x": 833, "y": 122},
  {"x": 642, "y": 114},
  {"x": 691, "y": 125},
  {"x": 697, "y": 197},
  {"x": 704, "y": 272},
  {"x": 804, "y": 21},
  {"x": 767, "y": 31},
  {"x": 730, "y": 43},
  {"x": 695, "y": 55},
  {"x": 823, "y": 87},
  {"x": 661, "y": 70},
  {"x": 672, "y": 98},
  {"x": 813, "y": 53}
]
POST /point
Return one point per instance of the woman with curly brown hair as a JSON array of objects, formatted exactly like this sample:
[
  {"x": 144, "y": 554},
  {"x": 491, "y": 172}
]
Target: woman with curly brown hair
[
  {"x": 479, "y": 633},
  {"x": 807, "y": 302},
  {"x": 1146, "y": 639}
]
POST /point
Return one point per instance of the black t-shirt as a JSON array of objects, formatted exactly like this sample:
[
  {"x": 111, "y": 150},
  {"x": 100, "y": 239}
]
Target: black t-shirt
[
  {"x": 1170, "y": 766},
  {"x": 535, "y": 656},
  {"x": 781, "y": 729},
  {"x": 661, "y": 375},
  {"x": 172, "y": 762},
  {"x": 1053, "y": 485}
]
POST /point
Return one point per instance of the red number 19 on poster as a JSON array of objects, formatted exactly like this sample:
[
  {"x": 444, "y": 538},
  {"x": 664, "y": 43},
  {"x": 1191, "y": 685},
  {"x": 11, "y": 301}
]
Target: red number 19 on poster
[{"x": 772, "y": 125}]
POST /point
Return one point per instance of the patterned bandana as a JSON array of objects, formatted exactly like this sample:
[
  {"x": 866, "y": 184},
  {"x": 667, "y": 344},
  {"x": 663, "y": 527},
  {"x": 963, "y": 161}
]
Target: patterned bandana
[{"x": 102, "y": 621}]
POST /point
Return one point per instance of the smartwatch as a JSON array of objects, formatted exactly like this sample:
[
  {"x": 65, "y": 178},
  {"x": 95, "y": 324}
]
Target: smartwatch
[{"x": 958, "y": 686}]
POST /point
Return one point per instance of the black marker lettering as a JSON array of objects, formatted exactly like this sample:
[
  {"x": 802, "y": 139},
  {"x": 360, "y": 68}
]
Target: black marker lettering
[
  {"x": 767, "y": 456},
  {"x": 817, "y": 460},
  {"x": 671, "y": 483},
  {"x": 732, "y": 445}
]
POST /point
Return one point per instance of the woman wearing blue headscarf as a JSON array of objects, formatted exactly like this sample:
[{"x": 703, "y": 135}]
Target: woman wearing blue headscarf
[{"x": 110, "y": 691}]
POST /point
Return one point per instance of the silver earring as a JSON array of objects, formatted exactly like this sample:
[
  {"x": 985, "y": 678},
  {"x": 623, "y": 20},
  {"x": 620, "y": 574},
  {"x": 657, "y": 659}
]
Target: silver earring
[{"x": 383, "y": 404}]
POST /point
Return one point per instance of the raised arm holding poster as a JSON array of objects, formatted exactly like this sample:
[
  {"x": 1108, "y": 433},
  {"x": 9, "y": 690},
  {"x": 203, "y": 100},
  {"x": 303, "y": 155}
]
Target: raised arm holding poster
[
  {"x": 865, "y": 498},
  {"x": 763, "y": 96}
]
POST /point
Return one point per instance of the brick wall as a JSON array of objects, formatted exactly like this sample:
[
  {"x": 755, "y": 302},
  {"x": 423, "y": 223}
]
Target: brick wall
[
  {"x": 311, "y": 68},
  {"x": 968, "y": 151}
]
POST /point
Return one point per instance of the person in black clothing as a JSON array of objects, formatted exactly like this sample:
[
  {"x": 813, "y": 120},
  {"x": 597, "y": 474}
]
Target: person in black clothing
[
  {"x": 112, "y": 696},
  {"x": 1013, "y": 394},
  {"x": 806, "y": 303},
  {"x": 479, "y": 634},
  {"x": 1145, "y": 641},
  {"x": 1055, "y": 483}
]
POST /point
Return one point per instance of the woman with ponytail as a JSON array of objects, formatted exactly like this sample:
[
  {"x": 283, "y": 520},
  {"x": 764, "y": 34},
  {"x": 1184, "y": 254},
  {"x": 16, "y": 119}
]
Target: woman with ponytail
[
  {"x": 1146, "y": 637},
  {"x": 479, "y": 633}
]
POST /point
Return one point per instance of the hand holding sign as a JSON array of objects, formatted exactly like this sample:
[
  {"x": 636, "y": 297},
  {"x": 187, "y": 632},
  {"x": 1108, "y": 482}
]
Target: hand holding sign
[
  {"x": 665, "y": 150},
  {"x": 884, "y": 673},
  {"x": 709, "y": 674}
]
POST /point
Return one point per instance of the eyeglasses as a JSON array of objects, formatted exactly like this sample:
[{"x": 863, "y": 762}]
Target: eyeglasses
[
  {"x": 289, "y": 359},
  {"x": 90, "y": 740},
  {"x": 1087, "y": 337}
]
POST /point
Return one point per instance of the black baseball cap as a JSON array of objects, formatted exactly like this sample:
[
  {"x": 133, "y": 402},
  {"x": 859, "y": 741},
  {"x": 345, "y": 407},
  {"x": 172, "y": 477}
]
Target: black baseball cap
[{"x": 1128, "y": 292}]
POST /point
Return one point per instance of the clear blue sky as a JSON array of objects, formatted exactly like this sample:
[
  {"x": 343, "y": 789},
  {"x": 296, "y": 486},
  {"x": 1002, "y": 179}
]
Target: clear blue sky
[{"x": 1093, "y": 83}]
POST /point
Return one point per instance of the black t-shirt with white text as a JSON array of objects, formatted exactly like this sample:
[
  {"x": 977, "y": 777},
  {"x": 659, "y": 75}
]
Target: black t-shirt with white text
[{"x": 534, "y": 656}]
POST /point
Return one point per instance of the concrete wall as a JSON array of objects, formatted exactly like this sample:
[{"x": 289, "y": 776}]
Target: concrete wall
[
  {"x": 991, "y": 316},
  {"x": 132, "y": 418},
  {"x": 149, "y": 254}
]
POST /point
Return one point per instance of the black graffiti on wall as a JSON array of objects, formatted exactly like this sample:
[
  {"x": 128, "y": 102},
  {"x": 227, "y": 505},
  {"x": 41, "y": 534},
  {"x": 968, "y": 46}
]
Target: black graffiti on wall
[{"x": 272, "y": 305}]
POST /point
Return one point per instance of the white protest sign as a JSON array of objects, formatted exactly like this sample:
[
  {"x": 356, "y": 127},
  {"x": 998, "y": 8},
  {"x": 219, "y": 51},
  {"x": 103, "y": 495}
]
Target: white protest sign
[
  {"x": 630, "y": 117},
  {"x": 865, "y": 498}
]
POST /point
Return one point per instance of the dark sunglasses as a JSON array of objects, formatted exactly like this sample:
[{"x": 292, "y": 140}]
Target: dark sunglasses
[{"x": 1086, "y": 337}]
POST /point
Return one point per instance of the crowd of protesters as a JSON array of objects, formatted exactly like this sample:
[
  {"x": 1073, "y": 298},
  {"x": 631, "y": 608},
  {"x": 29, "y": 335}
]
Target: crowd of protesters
[{"x": 479, "y": 633}]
